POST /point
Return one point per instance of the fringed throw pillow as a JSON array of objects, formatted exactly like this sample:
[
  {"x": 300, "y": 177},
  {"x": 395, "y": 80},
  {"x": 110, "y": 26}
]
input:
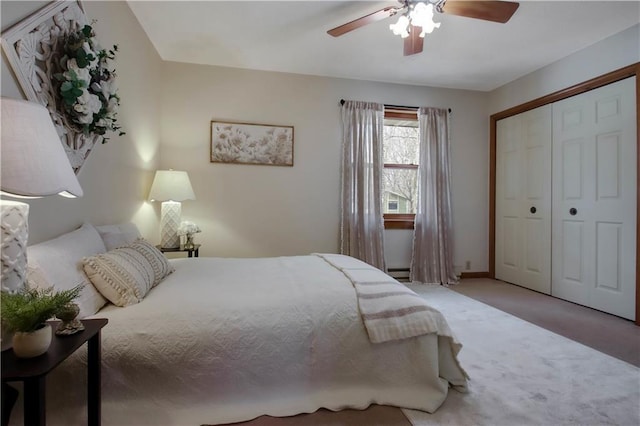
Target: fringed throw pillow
[{"x": 125, "y": 275}]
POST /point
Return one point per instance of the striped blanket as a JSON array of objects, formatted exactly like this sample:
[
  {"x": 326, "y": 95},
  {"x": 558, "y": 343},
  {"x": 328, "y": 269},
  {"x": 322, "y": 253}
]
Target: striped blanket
[{"x": 389, "y": 310}]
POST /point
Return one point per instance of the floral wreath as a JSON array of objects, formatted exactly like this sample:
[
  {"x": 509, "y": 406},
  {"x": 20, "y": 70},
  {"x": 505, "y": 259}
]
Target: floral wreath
[{"x": 86, "y": 84}]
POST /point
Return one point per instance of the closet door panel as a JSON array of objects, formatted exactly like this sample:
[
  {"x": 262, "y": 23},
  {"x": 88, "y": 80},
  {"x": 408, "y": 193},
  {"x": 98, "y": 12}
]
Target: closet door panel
[
  {"x": 536, "y": 205},
  {"x": 572, "y": 159},
  {"x": 615, "y": 199},
  {"x": 609, "y": 256},
  {"x": 508, "y": 232},
  {"x": 608, "y": 167},
  {"x": 523, "y": 202},
  {"x": 569, "y": 261},
  {"x": 534, "y": 246},
  {"x": 594, "y": 169}
]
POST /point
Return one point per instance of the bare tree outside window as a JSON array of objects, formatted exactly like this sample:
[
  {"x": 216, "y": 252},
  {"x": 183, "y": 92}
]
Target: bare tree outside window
[{"x": 401, "y": 157}]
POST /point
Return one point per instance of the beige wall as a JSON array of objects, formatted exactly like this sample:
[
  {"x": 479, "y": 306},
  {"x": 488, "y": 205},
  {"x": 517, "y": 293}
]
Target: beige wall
[
  {"x": 259, "y": 210},
  {"x": 242, "y": 210},
  {"x": 610, "y": 54},
  {"x": 247, "y": 210},
  {"x": 117, "y": 175}
]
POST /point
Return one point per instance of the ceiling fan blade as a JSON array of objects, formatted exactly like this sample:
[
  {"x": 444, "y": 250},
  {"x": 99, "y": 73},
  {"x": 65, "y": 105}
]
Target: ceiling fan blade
[
  {"x": 361, "y": 22},
  {"x": 495, "y": 11},
  {"x": 413, "y": 43}
]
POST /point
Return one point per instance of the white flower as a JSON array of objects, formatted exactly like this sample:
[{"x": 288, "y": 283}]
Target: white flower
[
  {"x": 112, "y": 107},
  {"x": 104, "y": 122},
  {"x": 85, "y": 118},
  {"x": 94, "y": 103},
  {"x": 187, "y": 228},
  {"x": 87, "y": 104},
  {"x": 87, "y": 49},
  {"x": 81, "y": 73},
  {"x": 106, "y": 87}
]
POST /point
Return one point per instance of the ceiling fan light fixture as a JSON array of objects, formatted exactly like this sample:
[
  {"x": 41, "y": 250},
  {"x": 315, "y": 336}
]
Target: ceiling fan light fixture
[
  {"x": 416, "y": 18},
  {"x": 401, "y": 27},
  {"x": 422, "y": 16},
  {"x": 419, "y": 15}
]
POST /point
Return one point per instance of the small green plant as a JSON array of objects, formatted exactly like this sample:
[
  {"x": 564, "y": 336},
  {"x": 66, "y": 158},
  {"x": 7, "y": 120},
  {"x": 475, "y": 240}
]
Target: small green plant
[{"x": 27, "y": 309}]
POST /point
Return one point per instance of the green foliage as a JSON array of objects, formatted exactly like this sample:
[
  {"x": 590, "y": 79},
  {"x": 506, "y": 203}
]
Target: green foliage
[
  {"x": 27, "y": 309},
  {"x": 71, "y": 90},
  {"x": 86, "y": 84}
]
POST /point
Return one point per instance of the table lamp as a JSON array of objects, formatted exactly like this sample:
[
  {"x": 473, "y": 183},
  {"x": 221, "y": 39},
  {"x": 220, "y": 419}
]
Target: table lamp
[
  {"x": 171, "y": 187},
  {"x": 34, "y": 164}
]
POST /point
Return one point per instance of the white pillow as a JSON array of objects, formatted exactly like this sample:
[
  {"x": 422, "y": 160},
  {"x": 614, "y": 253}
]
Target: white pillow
[
  {"x": 57, "y": 263},
  {"x": 114, "y": 240},
  {"x": 125, "y": 275},
  {"x": 115, "y": 236}
]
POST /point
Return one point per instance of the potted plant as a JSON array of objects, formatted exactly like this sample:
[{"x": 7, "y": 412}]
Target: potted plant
[{"x": 25, "y": 313}]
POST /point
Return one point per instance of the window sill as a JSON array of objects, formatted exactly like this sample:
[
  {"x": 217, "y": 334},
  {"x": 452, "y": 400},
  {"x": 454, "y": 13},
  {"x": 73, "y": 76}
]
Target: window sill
[{"x": 398, "y": 221}]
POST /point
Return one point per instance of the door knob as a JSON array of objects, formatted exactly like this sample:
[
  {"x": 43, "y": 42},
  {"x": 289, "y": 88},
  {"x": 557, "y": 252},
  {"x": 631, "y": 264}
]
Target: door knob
[
  {"x": 532, "y": 209},
  {"x": 573, "y": 211}
]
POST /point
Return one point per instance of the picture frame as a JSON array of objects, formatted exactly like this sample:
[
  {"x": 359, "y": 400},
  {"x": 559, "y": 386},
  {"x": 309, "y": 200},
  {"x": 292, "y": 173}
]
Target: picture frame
[{"x": 251, "y": 143}]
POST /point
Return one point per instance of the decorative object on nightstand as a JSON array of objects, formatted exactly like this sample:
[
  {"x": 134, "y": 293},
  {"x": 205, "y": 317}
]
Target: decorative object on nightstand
[
  {"x": 25, "y": 313},
  {"x": 187, "y": 229},
  {"x": 69, "y": 323},
  {"x": 33, "y": 164},
  {"x": 171, "y": 187}
]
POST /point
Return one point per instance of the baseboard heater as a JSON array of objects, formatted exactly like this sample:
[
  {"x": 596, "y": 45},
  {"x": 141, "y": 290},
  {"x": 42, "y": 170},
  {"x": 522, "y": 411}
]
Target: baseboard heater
[{"x": 400, "y": 274}]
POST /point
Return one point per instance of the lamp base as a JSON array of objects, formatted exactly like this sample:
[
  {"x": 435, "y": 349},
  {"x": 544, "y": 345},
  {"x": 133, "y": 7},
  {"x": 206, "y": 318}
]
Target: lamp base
[
  {"x": 170, "y": 213},
  {"x": 13, "y": 252},
  {"x": 14, "y": 224}
]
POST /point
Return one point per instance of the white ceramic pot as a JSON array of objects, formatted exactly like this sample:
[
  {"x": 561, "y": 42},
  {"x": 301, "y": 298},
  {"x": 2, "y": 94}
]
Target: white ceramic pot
[{"x": 32, "y": 344}]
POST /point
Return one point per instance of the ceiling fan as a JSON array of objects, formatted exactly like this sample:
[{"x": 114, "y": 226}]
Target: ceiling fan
[{"x": 413, "y": 12}]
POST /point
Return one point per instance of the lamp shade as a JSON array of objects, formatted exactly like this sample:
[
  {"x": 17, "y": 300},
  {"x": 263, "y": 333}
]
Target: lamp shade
[
  {"x": 171, "y": 185},
  {"x": 34, "y": 163}
]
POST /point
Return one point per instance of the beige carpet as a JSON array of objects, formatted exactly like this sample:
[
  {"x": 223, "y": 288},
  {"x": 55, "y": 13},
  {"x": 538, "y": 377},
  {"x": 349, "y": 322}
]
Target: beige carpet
[
  {"x": 607, "y": 333},
  {"x": 521, "y": 400},
  {"x": 522, "y": 374}
]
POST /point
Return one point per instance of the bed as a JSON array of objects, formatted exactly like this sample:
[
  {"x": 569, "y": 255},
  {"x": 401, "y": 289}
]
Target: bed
[{"x": 221, "y": 340}]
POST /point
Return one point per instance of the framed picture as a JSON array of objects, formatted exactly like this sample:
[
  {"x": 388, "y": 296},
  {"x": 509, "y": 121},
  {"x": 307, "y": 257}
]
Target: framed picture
[{"x": 247, "y": 143}]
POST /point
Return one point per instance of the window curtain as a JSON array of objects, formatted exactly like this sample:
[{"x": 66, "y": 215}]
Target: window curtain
[
  {"x": 362, "y": 224},
  {"x": 432, "y": 261}
]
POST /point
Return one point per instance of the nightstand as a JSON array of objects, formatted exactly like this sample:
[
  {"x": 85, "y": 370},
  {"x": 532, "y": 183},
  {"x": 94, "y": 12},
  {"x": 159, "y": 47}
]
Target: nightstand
[
  {"x": 191, "y": 252},
  {"x": 33, "y": 371}
]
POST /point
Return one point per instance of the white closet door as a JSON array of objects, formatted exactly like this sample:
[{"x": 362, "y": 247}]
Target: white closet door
[
  {"x": 523, "y": 199},
  {"x": 594, "y": 199}
]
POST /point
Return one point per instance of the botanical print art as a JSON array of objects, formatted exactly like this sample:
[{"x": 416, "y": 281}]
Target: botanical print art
[{"x": 244, "y": 143}]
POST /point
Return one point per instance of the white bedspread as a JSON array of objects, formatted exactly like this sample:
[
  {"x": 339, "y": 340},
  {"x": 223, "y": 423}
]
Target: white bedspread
[{"x": 226, "y": 340}]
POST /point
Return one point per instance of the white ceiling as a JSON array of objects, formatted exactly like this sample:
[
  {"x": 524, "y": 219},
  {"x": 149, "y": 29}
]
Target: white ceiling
[{"x": 290, "y": 36}]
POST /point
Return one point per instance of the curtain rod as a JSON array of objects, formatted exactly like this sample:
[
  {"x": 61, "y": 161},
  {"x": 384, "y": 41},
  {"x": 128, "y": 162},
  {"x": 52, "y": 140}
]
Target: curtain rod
[{"x": 342, "y": 101}]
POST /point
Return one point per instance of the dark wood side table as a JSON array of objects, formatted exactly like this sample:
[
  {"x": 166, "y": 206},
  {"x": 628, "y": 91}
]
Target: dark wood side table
[
  {"x": 191, "y": 252},
  {"x": 33, "y": 371}
]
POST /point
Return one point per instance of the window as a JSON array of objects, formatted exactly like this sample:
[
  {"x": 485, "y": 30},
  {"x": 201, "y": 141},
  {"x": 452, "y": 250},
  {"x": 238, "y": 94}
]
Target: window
[{"x": 400, "y": 174}]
